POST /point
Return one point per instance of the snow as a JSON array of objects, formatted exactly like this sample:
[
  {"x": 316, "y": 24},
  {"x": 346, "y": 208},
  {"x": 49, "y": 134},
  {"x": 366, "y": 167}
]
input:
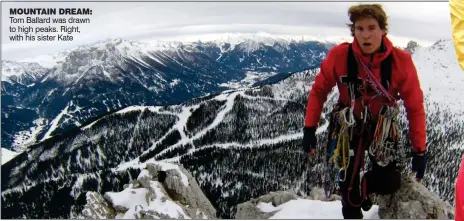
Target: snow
[
  {"x": 54, "y": 123},
  {"x": 236, "y": 38},
  {"x": 15, "y": 68},
  {"x": 440, "y": 75},
  {"x": 256, "y": 143},
  {"x": 311, "y": 209},
  {"x": 22, "y": 139},
  {"x": 251, "y": 77},
  {"x": 48, "y": 60},
  {"x": 174, "y": 82},
  {"x": 144, "y": 174},
  {"x": 133, "y": 200},
  {"x": 221, "y": 97},
  {"x": 130, "y": 109},
  {"x": 7, "y": 155}
]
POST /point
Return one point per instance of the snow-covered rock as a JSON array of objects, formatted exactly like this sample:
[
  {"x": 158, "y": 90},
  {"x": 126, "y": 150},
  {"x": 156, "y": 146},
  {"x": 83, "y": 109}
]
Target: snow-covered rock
[
  {"x": 411, "y": 201},
  {"x": 155, "y": 194},
  {"x": 287, "y": 205},
  {"x": 258, "y": 208},
  {"x": 97, "y": 207}
]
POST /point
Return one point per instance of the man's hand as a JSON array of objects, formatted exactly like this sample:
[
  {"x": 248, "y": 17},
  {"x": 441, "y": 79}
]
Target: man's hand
[
  {"x": 418, "y": 165},
  {"x": 312, "y": 153},
  {"x": 309, "y": 141}
]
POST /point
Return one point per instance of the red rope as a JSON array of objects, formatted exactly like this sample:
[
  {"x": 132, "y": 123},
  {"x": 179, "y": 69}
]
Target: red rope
[{"x": 359, "y": 157}]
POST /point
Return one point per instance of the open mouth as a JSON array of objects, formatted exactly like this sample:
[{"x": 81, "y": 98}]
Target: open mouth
[{"x": 367, "y": 44}]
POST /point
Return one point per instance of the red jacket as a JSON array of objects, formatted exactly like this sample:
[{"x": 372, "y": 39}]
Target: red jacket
[
  {"x": 459, "y": 194},
  {"x": 404, "y": 82}
]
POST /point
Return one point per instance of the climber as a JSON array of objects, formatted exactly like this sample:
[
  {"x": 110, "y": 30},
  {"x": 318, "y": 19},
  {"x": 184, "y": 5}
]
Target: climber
[{"x": 371, "y": 75}]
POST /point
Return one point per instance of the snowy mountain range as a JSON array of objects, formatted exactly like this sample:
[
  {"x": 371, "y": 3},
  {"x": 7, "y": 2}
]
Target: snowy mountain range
[
  {"x": 89, "y": 81},
  {"x": 238, "y": 144}
]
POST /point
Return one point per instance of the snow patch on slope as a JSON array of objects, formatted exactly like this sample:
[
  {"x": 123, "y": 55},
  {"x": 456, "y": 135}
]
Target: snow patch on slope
[
  {"x": 28, "y": 137},
  {"x": 54, "y": 123},
  {"x": 7, "y": 155},
  {"x": 250, "y": 78}
]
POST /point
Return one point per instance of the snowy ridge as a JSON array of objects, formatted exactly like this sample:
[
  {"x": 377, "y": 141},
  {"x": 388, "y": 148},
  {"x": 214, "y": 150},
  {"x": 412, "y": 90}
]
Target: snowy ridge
[{"x": 21, "y": 72}]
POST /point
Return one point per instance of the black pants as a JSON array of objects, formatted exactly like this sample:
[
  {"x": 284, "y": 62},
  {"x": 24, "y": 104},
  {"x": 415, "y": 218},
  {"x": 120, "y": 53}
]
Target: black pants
[{"x": 379, "y": 180}]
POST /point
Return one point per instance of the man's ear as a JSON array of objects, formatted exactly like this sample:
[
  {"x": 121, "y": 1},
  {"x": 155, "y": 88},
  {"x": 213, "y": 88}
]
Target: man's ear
[{"x": 384, "y": 33}]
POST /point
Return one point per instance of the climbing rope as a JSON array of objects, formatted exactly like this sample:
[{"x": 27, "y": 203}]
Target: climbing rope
[
  {"x": 343, "y": 143},
  {"x": 386, "y": 136}
]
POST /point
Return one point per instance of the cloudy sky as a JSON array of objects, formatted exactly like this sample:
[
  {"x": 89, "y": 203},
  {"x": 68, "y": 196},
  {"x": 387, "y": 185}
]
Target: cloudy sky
[{"x": 425, "y": 22}]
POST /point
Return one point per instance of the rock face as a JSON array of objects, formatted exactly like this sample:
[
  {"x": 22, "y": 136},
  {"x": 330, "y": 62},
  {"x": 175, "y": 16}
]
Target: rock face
[
  {"x": 161, "y": 191},
  {"x": 97, "y": 207},
  {"x": 411, "y": 47},
  {"x": 413, "y": 201}
]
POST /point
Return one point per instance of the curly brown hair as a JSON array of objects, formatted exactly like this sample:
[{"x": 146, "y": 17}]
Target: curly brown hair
[{"x": 360, "y": 11}]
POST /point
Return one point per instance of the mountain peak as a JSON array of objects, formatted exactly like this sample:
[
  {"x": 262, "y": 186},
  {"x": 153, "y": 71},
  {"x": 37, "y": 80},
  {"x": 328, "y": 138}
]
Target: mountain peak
[{"x": 21, "y": 72}]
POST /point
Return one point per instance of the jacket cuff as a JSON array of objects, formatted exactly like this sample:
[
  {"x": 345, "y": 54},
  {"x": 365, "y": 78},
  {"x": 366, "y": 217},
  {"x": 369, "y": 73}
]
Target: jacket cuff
[
  {"x": 418, "y": 150},
  {"x": 309, "y": 129}
]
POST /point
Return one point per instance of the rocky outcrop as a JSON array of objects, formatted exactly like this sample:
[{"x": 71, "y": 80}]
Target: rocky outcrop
[
  {"x": 411, "y": 47},
  {"x": 97, "y": 207},
  {"x": 161, "y": 191},
  {"x": 413, "y": 201},
  {"x": 250, "y": 210}
]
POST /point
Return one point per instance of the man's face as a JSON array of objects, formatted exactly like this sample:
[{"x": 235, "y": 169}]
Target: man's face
[{"x": 368, "y": 34}]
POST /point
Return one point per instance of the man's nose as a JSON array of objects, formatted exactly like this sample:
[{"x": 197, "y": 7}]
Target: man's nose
[{"x": 365, "y": 35}]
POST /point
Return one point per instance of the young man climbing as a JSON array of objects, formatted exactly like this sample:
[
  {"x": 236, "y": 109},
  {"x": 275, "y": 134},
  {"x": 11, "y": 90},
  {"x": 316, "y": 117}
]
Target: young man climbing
[{"x": 371, "y": 75}]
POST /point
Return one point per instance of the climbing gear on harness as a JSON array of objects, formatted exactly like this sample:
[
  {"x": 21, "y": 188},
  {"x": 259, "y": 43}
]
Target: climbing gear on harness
[
  {"x": 386, "y": 138},
  {"x": 343, "y": 144},
  {"x": 328, "y": 152},
  {"x": 386, "y": 71},
  {"x": 375, "y": 84},
  {"x": 385, "y": 131}
]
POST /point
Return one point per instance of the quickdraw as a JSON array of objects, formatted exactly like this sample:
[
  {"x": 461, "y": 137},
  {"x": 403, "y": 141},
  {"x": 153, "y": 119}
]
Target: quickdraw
[{"x": 386, "y": 138}]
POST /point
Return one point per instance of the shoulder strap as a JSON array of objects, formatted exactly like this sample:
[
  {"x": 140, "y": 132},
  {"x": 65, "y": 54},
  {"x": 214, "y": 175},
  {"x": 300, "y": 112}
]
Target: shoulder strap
[
  {"x": 352, "y": 66},
  {"x": 386, "y": 70}
]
